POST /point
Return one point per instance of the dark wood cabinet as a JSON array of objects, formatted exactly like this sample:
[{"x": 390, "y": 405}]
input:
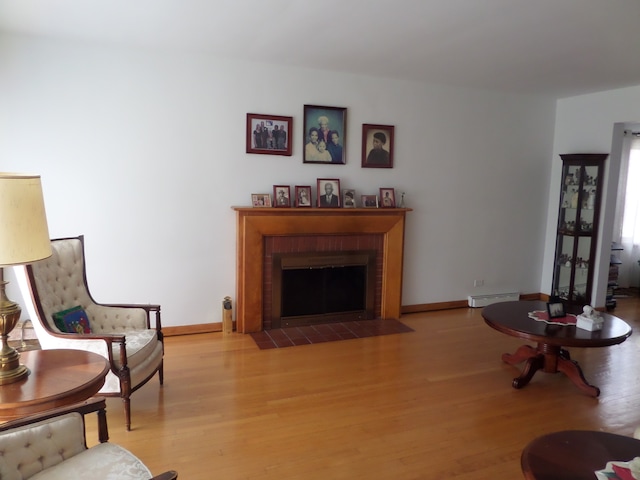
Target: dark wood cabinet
[{"x": 577, "y": 230}]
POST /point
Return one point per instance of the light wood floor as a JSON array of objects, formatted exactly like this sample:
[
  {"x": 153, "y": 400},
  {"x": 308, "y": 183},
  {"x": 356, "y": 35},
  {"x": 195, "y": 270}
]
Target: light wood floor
[{"x": 435, "y": 403}]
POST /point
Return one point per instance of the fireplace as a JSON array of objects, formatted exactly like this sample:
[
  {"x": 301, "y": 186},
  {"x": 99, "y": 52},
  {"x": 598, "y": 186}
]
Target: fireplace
[
  {"x": 322, "y": 287},
  {"x": 262, "y": 232}
]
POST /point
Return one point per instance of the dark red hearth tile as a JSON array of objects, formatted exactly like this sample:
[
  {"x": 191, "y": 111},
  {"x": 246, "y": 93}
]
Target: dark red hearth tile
[{"x": 326, "y": 332}]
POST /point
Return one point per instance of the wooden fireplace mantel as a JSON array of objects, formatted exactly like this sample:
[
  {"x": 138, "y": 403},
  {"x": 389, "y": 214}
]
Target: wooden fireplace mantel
[{"x": 253, "y": 224}]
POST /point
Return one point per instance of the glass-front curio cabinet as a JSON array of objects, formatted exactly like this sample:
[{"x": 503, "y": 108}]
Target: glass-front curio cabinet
[{"x": 577, "y": 231}]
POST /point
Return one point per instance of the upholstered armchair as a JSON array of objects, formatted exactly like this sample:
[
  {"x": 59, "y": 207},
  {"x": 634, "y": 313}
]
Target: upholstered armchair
[
  {"x": 121, "y": 333},
  {"x": 53, "y": 445}
]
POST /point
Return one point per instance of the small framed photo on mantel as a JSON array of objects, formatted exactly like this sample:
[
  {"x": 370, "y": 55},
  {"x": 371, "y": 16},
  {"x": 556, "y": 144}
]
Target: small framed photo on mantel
[
  {"x": 370, "y": 201},
  {"x": 303, "y": 196},
  {"x": 261, "y": 199},
  {"x": 349, "y": 198},
  {"x": 328, "y": 193},
  {"x": 282, "y": 196},
  {"x": 387, "y": 198}
]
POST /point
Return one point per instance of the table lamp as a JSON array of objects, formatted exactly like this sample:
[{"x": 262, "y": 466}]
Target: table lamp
[{"x": 24, "y": 238}]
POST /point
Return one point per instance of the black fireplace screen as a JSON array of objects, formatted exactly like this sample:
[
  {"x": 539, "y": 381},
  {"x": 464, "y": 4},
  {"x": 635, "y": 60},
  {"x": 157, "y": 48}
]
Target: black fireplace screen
[
  {"x": 324, "y": 290},
  {"x": 323, "y": 287}
]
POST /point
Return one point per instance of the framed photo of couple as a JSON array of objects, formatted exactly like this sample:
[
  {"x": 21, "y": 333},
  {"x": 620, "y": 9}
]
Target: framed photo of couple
[
  {"x": 324, "y": 135},
  {"x": 269, "y": 134},
  {"x": 303, "y": 196},
  {"x": 369, "y": 201}
]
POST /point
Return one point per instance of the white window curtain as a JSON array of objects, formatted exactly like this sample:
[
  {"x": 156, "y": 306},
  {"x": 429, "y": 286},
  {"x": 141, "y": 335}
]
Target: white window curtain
[{"x": 630, "y": 231}]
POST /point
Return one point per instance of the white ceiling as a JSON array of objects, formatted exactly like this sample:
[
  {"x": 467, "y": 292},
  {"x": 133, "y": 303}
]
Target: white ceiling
[{"x": 557, "y": 47}]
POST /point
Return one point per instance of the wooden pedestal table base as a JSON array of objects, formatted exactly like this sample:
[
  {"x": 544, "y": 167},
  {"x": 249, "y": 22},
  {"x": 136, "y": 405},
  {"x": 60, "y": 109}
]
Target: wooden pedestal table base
[
  {"x": 512, "y": 318},
  {"x": 549, "y": 359}
]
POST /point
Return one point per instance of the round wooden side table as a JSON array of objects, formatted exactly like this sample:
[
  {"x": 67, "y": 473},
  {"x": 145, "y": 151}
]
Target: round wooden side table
[
  {"x": 512, "y": 318},
  {"x": 56, "y": 378},
  {"x": 575, "y": 454}
]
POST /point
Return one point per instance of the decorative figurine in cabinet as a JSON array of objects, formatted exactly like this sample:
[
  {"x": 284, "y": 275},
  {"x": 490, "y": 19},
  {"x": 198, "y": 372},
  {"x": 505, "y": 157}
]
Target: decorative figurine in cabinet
[{"x": 577, "y": 231}]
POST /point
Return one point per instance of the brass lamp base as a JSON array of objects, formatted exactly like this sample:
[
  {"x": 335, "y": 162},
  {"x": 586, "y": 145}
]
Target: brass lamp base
[
  {"x": 10, "y": 369},
  {"x": 12, "y": 374}
]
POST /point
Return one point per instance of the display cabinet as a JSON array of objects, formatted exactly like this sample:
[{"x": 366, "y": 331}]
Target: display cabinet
[
  {"x": 612, "y": 284},
  {"x": 577, "y": 230}
]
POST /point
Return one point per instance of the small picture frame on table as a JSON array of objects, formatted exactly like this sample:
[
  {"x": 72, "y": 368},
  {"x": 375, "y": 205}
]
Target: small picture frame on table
[
  {"x": 269, "y": 134},
  {"x": 370, "y": 201},
  {"x": 261, "y": 199},
  {"x": 387, "y": 198},
  {"x": 328, "y": 193},
  {"x": 281, "y": 196},
  {"x": 349, "y": 199},
  {"x": 303, "y": 196},
  {"x": 377, "y": 146},
  {"x": 555, "y": 309}
]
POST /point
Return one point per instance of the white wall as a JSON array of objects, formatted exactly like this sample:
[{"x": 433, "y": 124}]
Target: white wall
[
  {"x": 144, "y": 153},
  {"x": 585, "y": 124}
]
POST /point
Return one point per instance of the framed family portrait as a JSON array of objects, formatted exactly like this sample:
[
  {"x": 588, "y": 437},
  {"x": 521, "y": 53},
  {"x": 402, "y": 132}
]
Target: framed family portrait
[
  {"x": 349, "y": 198},
  {"x": 303, "y": 196},
  {"x": 260, "y": 199},
  {"x": 281, "y": 196},
  {"x": 370, "y": 201},
  {"x": 269, "y": 134},
  {"x": 387, "y": 198},
  {"x": 377, "y": 146},
  {"x": 324, "y": 135},
  {"x": 328, "y": 192}
]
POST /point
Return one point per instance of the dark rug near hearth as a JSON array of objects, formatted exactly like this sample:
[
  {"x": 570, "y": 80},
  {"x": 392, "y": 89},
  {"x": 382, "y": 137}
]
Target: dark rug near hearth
[{"x": 326, "y": 332}]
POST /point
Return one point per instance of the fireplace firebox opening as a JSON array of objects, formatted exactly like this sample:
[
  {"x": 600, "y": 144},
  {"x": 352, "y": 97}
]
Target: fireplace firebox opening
[{"x": 322, "y": 287}]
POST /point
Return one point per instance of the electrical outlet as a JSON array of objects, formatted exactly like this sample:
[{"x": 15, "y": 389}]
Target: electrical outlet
[{"x": 478, "y": 283}]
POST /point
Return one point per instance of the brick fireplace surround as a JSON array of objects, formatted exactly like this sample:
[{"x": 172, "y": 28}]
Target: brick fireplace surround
[{"x": 262, "y": 231}]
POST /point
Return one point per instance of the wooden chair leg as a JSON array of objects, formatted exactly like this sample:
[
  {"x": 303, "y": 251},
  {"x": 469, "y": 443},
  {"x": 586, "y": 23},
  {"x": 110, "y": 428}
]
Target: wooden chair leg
[
  {"x": 127, "y": 412},
  {"x": 125, "y": 393}
]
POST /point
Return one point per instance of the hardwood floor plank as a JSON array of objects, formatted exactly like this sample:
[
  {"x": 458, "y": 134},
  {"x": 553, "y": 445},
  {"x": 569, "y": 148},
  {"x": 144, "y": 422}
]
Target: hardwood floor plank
[{"x": 433, "y": 403}]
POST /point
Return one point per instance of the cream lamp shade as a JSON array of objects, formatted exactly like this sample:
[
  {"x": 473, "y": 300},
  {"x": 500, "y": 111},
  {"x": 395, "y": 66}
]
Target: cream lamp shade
[
  {"x": 24, "y": 234},
  {"x": 24, "y": 238}
]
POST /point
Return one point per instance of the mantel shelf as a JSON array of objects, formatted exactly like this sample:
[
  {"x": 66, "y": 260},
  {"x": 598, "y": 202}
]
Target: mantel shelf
[{"x": 322, "y": 211}]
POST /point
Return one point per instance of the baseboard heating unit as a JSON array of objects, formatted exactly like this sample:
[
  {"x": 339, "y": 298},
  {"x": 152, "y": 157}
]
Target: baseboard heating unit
[{"x": 476, "y": 301}]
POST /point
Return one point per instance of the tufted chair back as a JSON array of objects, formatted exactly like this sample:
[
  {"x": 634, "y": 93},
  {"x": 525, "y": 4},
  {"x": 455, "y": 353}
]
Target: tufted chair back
[
  {"x": 31, "y": 449},
  {"x": 61, "y": 284}
]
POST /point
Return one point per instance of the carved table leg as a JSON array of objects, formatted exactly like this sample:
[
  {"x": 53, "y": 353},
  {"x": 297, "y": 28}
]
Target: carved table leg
[
  {"x": 524, "y": 352},
  {"x": 534, "y": 362},
  {"x": 530, "y": 368},
  {"x": 572, "y": 370}
]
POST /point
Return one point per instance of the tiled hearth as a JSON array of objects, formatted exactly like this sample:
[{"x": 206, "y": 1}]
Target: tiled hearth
[{"x": 328, "y": 332}]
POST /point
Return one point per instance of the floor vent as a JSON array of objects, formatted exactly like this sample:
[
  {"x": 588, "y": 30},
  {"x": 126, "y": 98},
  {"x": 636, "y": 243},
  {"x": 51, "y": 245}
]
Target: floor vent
[{"x": 484, "y": 300}]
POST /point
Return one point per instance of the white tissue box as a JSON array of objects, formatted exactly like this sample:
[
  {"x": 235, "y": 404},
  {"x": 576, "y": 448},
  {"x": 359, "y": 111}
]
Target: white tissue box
[{"x": 590, "y": 324}]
